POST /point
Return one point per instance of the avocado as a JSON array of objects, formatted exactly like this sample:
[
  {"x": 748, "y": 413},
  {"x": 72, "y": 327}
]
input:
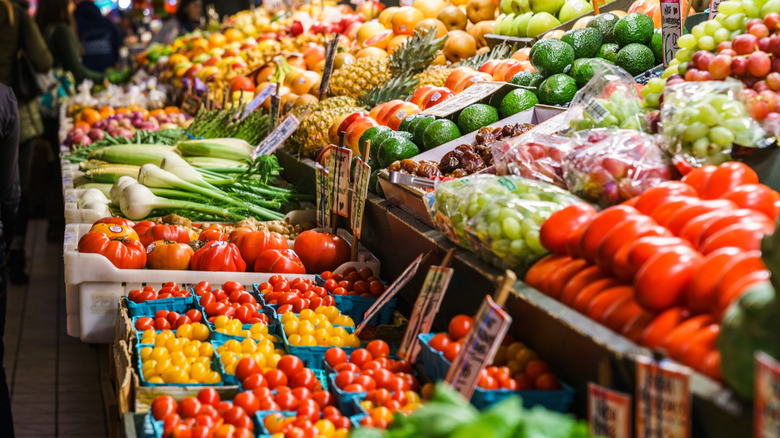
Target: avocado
[
  {"x": 373, "y": 181},
  {"x": 378, "y": 139},
  {"x": 527, "y": 79},
  {"x": 516, "y": 101},
  {"x": 557, "y": 89},
  {"x": 394, "y": 149},
  {"x": 633, "y": 28},
  {"x": 406, "y": 122},
  {"x": 352, "y": 167},
  {"x": 552, "y": 58},
  {"x": 476, "y": 116},
  {"x": 585, "y": 42},
  {"x": 439, "y": 132},
  {"x": 372, "y": 134},
  {"x": 419, "y": 129},
  {"x": 582, "y": 72},
  {"x": 605, "y": 24},
  {"x": 540, "y": 44},
  {"x": 657, "y": 46},
  {"x": 608, "y": 51},
  {"x": 635, "y": 59}
]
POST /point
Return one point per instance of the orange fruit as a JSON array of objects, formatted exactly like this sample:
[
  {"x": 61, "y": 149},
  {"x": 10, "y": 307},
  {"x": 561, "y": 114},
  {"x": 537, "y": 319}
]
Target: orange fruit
[
  {"x": 106, "y": 112},
  {"x": 157, "y": 112},
  {"x": 90, "y": 116},
  {"x": 405, "y": 19},
  {"x": 233, "y": 35},
  {"x": 122, "y": 110},
  {"x": 426, "y": 24},
  {"x": 380, "y": 40},
  {"x": 396, "y": 42},
  {"x": 217, "y": 40},
  {"x": 386, "y": 16},
  {"x": 368, "y": 30},
  {"x": 172, "y": 110},
  {"x": 371, "y": 52},
  {"x": 430, "y": 8}
]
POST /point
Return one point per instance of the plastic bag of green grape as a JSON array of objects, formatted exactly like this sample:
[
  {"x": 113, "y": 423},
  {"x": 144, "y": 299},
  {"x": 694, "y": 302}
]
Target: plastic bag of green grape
[
  {"x": 498, "y": 217},
  {"x": 608, "y": 100},
  {"x": 701, "y": 121}
]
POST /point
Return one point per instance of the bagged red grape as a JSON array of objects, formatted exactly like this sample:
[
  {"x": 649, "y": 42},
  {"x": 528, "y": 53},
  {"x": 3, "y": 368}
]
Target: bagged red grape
[
  {"x": 610, "y": 166},
  {"x": 533, "y": 155}
]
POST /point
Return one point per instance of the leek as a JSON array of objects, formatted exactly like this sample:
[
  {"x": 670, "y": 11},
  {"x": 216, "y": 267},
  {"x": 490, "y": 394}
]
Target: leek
[
  {"x": 137, "y": 202},
  {"x": 135, "y": 154}
]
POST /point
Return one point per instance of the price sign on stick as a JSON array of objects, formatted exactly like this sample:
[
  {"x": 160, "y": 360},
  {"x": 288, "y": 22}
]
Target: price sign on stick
[
  {"x": 663, "y": 399},
  {"x": 258, "y": 100},
  {"x": 359, "y": 192},
  {"x": 671, "y": 28},
  {"x": 277, "y": 137},
  {"x": 323, "y": 197},
  {"x": 425, "y": 308},
  {"x": 340, "y": 159},
  {"x": 327, "y": 70},
  {"x": 273, "y": 117},
  {"x": 766, "y": 405},
  {"x": 609, "y": 412},
  {"x": 713, "y": 9},
  {"x": 391, "y": 291}
]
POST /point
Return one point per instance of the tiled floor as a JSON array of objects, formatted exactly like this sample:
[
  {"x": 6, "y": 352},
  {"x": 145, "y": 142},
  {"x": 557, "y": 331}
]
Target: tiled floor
[{"x": 54, "y": 379}]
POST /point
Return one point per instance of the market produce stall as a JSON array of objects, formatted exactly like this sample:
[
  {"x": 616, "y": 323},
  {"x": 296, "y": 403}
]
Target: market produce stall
[{"x": 323, "y": 211}]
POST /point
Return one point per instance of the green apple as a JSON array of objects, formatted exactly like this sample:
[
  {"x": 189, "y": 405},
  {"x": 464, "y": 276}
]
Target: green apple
[
  {"x": 573, "y": 9},
  {"x": 541, "y": 23},
  {"x": 522, "y": 24},
  {"x": 550, "y": 6},
  {"x": 497, "y": 24},
  {"x": 506, "y": 25},
  {"x": 770, "y": 6},
  {"x": 520, "y": 7},
  {"x": 506, "y": 6}
]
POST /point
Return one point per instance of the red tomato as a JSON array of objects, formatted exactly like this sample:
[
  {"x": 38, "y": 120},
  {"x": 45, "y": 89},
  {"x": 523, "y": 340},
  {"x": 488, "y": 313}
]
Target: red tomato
[
  {"x": 678, "y": 221},
  {"x": 554, "y": 230},
  {"x": 360, "y": 357},
  {"x": 746, "y": 236},
  {"x": 210, "y": 234},
  {"x": 254, "y": 381},
  {"x": 573, "y": 241},
  {"x": 189, "y": 407},
  {"x": 122, "y": 253},
  {"x": 247, "y": 401},
  {"x": 738, "y": 267},
  {"x": 251, "y": 244},
  {"x": 246, "y": 367},
  {"x": 655, "y": 196},
  {"x": 344, "y": 379},
  {"x": 756, "y": 197},
  {"x": 559, "y": 278},
  {"x": 537, "y": 276},
  {"x": 600, "y": 226},
  {"x": 655, "y": 333},
  {"x": 452, "y": 350},
  {"x": 620, "y": 265},
  {"x": 116, "y": 221},
  {"x": 459, "y": 326},
  {"x": 163, "y": 406},
  {"x": 620, "y": 313},
  {"x": 728, "y": 176},
  {"x": 275, "y": 378},
  {"x": 694, "y": 349},
  {"x": 601, "y": 302},
  {"x": 681, "y": 334},
  {"x": 290, "y": 365},
  {"x": 589, "y": 292},
  {"x": 698, "y": 178},
  {"x": 144, "y": 323},
  {"x": 635, "y": 326},
  {"x": 670, "y": 206},
  {"x": 662, "y": 281},
  {"x": 304, "y": 378},
  {"x": 171, "y": 233},
  {"x": 547, "y": 382},
  {"x": 536, "y": 368},
  {"x": 439, "y": 341},
  {"x": 624, "y": 232},
  {"x": 321, "y": 251},
  {"x": 308, "y": 409},
  {"x": 366, "y": 381},
  {"x": 379, "y": 348},
  {"x": 218, "y": 256},
  {"x": 644, "y": 248},
  {"x": 283, "y": 261},
  {"x": 742, "y": 215},
  {"x": 578, "y": 282},
  {"x": 702, "y": 291}
]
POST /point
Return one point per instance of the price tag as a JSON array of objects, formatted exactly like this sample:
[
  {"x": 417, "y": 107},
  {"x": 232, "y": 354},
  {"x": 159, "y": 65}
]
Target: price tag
[
  {"x": 323, "y": 197},
  {"x": 609, "y": 412},
  {"x": 671, "y": 28},
  {"x": 425, "y": 308},
  {"x": 272, "y": 6},
  {"x": 766, "y": 406},
  {"x": 713, "y": 8},
  {"x": 264, "y": 94},
  {"x": 470, "y": 95},
  {"x": 663, "y": 405},
  {"x": 479, "y": 347},
  {"x": 273, "y": 117},
  {"x": 390, "y": 292},
  {"x": 277, "y": 137},
  {"x": 359, "y": 192},
  {"x": 191, "y": 104},
  {"x": 340, "y": 159},
  {"x": 406, "y": 2},
  {"x": 595, "y": 109},
  {"x": 327, "y": 70}
]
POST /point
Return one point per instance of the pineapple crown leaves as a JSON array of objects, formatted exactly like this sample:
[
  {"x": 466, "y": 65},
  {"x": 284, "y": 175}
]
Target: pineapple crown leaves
[
  {"x": 399, "y": 87},
  {"x": 500, "y": 51},
  {"x": 417, "y": 54}
]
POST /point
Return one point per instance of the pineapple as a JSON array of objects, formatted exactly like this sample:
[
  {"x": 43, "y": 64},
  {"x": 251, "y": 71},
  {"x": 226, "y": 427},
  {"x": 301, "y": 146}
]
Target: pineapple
[
  {"x": 435, "y": 75},
  {"x": 372, "y": 74},
  {"x": 312, "y": 133}
]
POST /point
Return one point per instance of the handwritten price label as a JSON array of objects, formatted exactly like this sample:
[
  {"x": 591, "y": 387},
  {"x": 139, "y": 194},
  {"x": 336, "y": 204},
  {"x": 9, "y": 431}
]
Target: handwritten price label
[
  {"x": 663, "y": 405},
  {"x": 609, "y": 412},
  {"x": 277, "y": 137},
  {"x": 340, "y": 159},
  {"x": 425, "y": 308},
  {"x": 671, "y": 28},
  {"x": 323, "y": 197},
  {"x": 479, "y": 347},
  {"x": 359, "y": 193},
  {"x": 264, "y": 94},
  {"x": 766, "y": 406}
]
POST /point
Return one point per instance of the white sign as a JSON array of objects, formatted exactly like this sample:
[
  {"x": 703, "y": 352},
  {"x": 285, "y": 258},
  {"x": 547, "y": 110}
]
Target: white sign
[
  {"x": 609, "y": 412},
  {"x": 338, "y": 168},
  {"x": 663, "y": 399},
  {"x": 470, "y": 95},
  {"x": 264, "y": 94},
  {"x": 276, "y": 137},
  {"x": 359, "y": 193},
  {"x": 671, "y": 28},
  {"x": 425, "y": 308},
  {"x": 479, "y": 347}
]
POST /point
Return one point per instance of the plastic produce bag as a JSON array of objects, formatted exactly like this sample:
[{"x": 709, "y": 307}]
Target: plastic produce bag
[
  {"x": 498, "y": 217},
  {"x": 533, "y": 155},
  {"x": 608, "y": 100},
  {"x": 701, "y": 121},
  {"x": 611, "y": 166}
]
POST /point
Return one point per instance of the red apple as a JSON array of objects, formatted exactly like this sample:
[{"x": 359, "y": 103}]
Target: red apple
[
  {"x": 357, "y": 129},
  {"x": 470, "y": 80},
  {"x": 456, "y": 76},
  {"x": 437, "y": 96},
  {"x": 346, "y": 123},
  {"x": 420, "y": 93},
  {"x": 489, "y": 66},
  {"x": 387, "y": 109},
  {"x": 241, "y": 82},
  {"x": 407, "y": 109},
  {"x": 500, "y": 71}
]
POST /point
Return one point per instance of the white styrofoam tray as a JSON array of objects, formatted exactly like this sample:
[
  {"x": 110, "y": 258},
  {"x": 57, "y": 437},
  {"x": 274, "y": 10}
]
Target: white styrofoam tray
[{"x": 93, "y": 285}]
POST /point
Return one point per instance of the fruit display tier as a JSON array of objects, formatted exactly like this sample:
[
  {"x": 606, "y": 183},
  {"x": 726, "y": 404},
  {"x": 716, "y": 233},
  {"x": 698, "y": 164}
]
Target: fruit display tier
[{"x": 554, "y": 330}]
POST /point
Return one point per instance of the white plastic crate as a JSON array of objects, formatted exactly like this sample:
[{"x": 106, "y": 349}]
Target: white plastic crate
[{"x": 93, "y": 285}]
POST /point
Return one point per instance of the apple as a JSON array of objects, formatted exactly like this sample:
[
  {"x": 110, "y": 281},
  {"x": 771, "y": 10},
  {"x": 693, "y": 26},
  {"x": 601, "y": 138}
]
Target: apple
[
  {"x": 505, "y": 6},
  {"x": 296, "y": 28},
  {"x": 349, "y": 120},
  {"x": 456, "y": 76},
  {"x": 389, "y": 106},
  {"x": 520, "y": 24},
  {"x": 406, "y": 110},
  {"x": 549, "y": 6},
  {"x": 470, "y": 80},
  {"x": 333, "y": 130},
  {"x": 500, "y": 71},
  {"x": 541, "y": 23},
  {"x": 489, "y": 66},
  {"x": 313, "y": 55},
  {"x": 522, "y": 54},
  {"x": 505, "y": 27},
  {"x": 521, "y": 7},
  {"x": 573, "y": 9},
  {"x": 354, "y": 132},
  {"x": 480, "y": 10},
  {"x": 370, "y": 9},
  {"x": 436, "y": 96},
  {"x": 374, "y": 113},
  {"x": 513, "y": 70},
  {"x": 419, "y": 94}
]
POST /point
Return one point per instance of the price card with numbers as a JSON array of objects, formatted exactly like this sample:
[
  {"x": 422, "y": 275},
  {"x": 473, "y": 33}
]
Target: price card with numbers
[
  {"x": 609, "y": 412},
  {"x": 277, "y": 137},
  {"x": 322, "y": 197},
  {"x": 671, "y": 28},
  {"x": 479, "y": 347},
  {"x": 340, "y": 159},
  {"x": 359, "y": 192},
  {"x": 766, "y": 405},
  {"x": 390, "y": 292},
  {"x": 663, "y": 399},
  {"x": 425, "y": 308},
  {"x": 258, "y": 100}
]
